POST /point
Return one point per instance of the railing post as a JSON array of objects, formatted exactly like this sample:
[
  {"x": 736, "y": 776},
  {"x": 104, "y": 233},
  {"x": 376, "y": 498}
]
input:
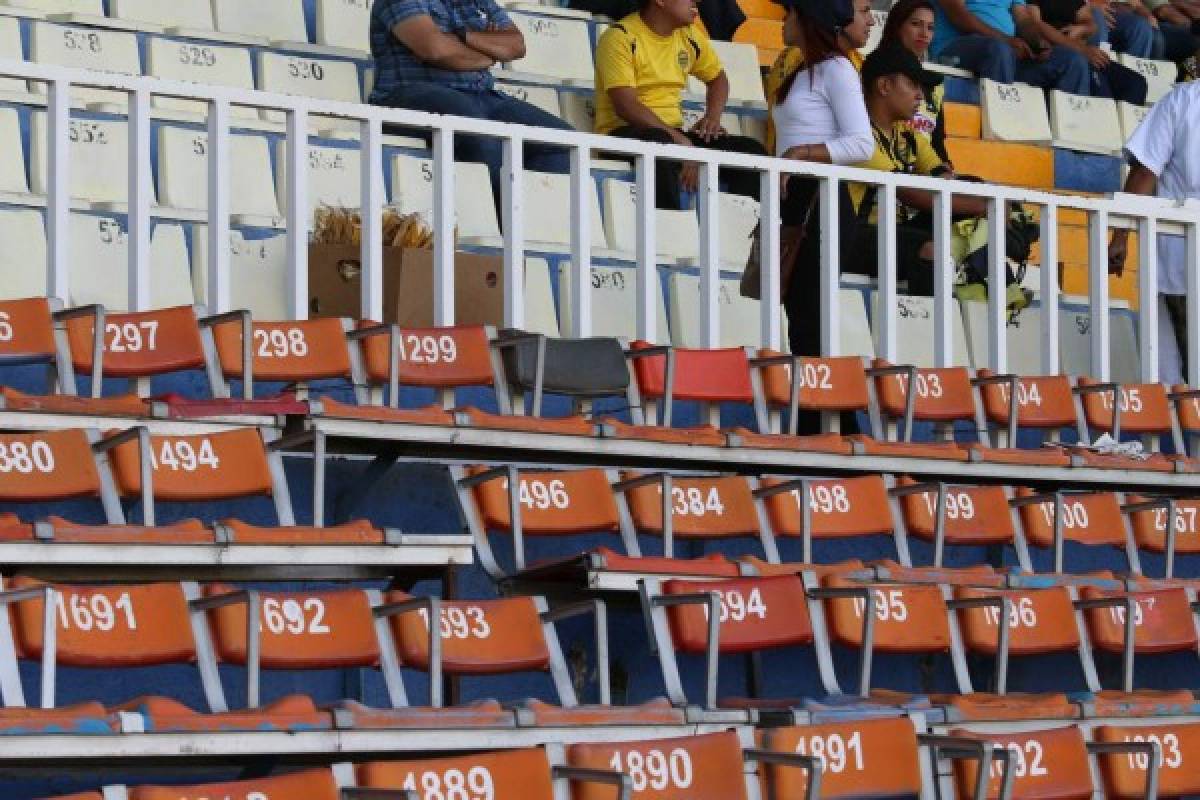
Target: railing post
[
  {"x": 444, "y": 225},
  {"x": 1148, "y": 297},
  {"x": 648, "y": 288},
  {"x": 886, "y": 345},
  {"x": 219, "y": 292},
  {"x": 58, "y": 190},
  {"x": 1098, "y": 294},
  {"x": 997, "y": 285},
  {"x": 1193, "y": 304},
  {"x": 1049, "y": 289},
  {"x": 710, "y": 255},
  {"x": 770, "y": 286},
  {"x": 582, "y": 194},
  {"x": 512, "y": 190},
  {"x": 831, "y": 268},
  {"x": 139, "y": 201},
  {"x": 297, "y": 212},
  {"x": 943, "y": 283},
  {"x": 371, "y": 209}
]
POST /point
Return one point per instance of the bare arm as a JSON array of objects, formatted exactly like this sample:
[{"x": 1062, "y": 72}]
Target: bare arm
[
  {"x": 960, "y": 204},
  {"x": 1169, "y": 13},
  {"x": 708, "y": 127},
  {"x": 634, "y": 112},
  {"x": 438, "y": 49},
  {"x": 502, "y": 44},
  {"x": 1140, "y": 181}
]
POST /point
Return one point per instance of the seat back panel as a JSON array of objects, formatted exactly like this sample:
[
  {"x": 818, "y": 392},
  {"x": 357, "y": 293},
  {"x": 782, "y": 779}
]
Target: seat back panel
[
  {"x": 756, "y": 613},
  {"x": 479, "y": 637},
  {"x": 712, "y": 376},
  {"x": 908, "y": 619},
  {"x": 1048, "y": 764},
  {"x": 52, "y": 465},
  {"x": 1039, "y": 622},
  {"x": 299, "y": 350},
  {"x": 826, "y": 384},
  {"x": 552, "y": 503},
  {"x": 437, "y": 357},
  {"x": 1163, "y": 622},
  {"x": 705, "y": 767},
  {"x": 204, "y": 467},
  {"x": 865, "y": 758},
  {"x": 700, "y": 508},
  {"x": 140, "y": 344},
  {"x": 839, "y": 507},
  {"x": 26, "y": 331},
  {"x": 506, "y": 775},
  {"x": 1125, "y": 774}
]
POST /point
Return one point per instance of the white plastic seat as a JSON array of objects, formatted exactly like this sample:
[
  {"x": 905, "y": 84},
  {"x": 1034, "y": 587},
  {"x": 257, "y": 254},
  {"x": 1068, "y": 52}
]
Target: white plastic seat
[
  {"x": 915, "y": 331},
  {"x": 1131, "y": 117},
  {"x": 539, "y": 298},
  {"x": 740, "y": 62},
  {"x": 92, "y": 8},
  {"x": 548, "y": 211},
  {"x": 257, "y": 272},
  {"x": 324, "y": 79},
  {"x": 1023, "y": 338},
  {"x": 273, "y": 20},
  {"x": 1085, "y": 123},
  {"x": 738, "y": 218},
  {"x": 731, "y": 122},
  {"x": 186, "y": 14},
  {"x": 614, "y": 302},
  {"x": 879, "y": 18},
  {"x": 556, "y": 48},
  {"x": 334, "y": 176},
  {"x": 99, "y": 152},
  {"x": 579, "y": 110},
  {"x": 10, "y": 47},
  {"x": 412, "y": 192},
  {"x": 1160, "y": 75},
  {"x": 103, "y": 275},
  {"x": 200, "y": 63},
  {"x": 855, "y": 329},
  {"x": 1014, "y": 112},
  {"x": 86, "y": 48},
  {"x": 12, "y": 167},
  {"x": 739, "y": 316},
  {"x": 344, "y": 23},
  {"x": 677, "y": 232},
  {"x": 1074, "y": 332},
  {"x": 183, "y": 173},
  {"x": 23, "y": 257},
  {"x": 543, "y": 97}
]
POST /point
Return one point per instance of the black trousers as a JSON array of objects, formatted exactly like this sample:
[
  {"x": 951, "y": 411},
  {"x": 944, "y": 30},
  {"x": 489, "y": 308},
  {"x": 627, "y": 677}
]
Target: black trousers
[{"x": 666, "y": 180}]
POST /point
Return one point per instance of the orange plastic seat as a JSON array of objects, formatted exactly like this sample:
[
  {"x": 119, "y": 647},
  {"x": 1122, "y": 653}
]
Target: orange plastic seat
[
  {"x": 26, "y": 332},
  {"x": 1144, "y": 408},
  {"x": 698, "y": 435},
  {"x": 1013, "y": 706},
  {"x": 1089, "y": 518},
  {"x": 864, "y": 758},
  {"x": 309, "y": 785},
  {"x": 818, "y": 443},
  {"x": 1124, "y": 775},
  {"x": 765, "y": 34},
  {"x": 1163, "y": 622},
  {"x": 47, "y": 466},
  {"x": 84, "y": 718},
  {"x": 974, "y": 515},
  {"x": 429, "y": 415},
  {"x": 908, "y": 619},
  {"x": 439, "y": 358},
  {"x": 356, "y": 532},
  {"x": 944, "y": 451},
  {"x": 521, "y": 773},
  {"x": 1051, "y": 763},
  {"x": 706, "y": 376},
  {"x": 1150, "y": 526},
  {"x": 124, "y": 405},
  {"x": 187, "y": 531},
  {"x": 139, "y": 344},
  {"x": 1043, "y": 457},
  {"x": 942, "y": 395},
  {"x": 568, "y": 426},
  {"x": 1043, "y": 402},
  {"x": 701, "y": 508},
  {"x": 825, "y": 384},
  {"x": 197, "y": 468},
  {"x": 288, "y": 351},
  {"x": 704, "y": 767},
  {"x": 714, "y": 565},
  {"x": 1041, "y": 622}
]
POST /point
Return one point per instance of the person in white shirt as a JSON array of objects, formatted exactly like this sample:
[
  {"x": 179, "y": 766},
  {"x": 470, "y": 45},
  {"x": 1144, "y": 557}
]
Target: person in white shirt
[
  {"x": 820, "y": 116},
  {"x": 1164, "y": 160}
]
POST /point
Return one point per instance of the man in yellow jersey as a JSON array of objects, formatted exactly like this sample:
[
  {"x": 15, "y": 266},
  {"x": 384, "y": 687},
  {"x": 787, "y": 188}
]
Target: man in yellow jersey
[{"x": 642, "y": 66}]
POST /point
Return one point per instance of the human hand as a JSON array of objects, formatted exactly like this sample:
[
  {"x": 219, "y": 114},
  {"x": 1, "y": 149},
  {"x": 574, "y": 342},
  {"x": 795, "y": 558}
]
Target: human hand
[
  {"x": 689, "y": 176},
  {"x": 1118, "y": 252},
  {"x": 708, "y": 127},
  {"x": 1021, "y": 48},
  {"x": 1097, "y": 56}
]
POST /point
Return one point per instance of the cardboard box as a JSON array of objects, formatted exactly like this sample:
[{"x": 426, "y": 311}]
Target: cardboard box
[{"x": 334, "y": 281}]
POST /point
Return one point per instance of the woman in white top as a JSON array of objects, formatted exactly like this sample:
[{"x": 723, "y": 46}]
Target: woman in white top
[{"x": 820, "y": 116}]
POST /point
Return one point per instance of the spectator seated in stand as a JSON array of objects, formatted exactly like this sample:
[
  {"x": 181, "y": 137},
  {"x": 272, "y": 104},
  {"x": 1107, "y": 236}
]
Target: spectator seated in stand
[
  {"x": 642, "y": 66},
  {"x": 1176, "y": 28},
  {"x": 910, "y": 24},
  {"x": 434, "y": 55},
  {"x": 1071, "y": 24},
  {"x": 992, "y": 38}
]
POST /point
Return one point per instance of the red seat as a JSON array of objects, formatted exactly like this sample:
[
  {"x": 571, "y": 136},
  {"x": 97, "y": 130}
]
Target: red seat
[
  {"x": 139, "y": 344},
  {"x": 709, "y": 377}
]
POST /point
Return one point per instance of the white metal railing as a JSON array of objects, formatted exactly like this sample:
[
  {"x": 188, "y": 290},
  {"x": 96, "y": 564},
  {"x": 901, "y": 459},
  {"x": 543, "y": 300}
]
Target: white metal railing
[{"x": 1147, "y": 218}]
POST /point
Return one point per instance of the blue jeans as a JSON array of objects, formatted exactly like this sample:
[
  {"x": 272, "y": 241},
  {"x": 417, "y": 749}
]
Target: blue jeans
[
  {"x": 1132, "y": 34},
  {"x": 485, "y": 104},
  {"x": 994, "y": 59}
]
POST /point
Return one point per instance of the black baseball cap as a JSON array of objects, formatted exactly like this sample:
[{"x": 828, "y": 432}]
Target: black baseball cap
[
  {"x": 896, "y": 59},
  {"x": 828, "y": 15}
]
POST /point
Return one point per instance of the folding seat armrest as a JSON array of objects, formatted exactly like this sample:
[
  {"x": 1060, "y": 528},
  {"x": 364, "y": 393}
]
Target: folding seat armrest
[
  {"x": 1003, "y": 605},
  {"x": 48, "y": 596},
  {"x": 539, "y": 364},
  {"x": 599, "y": 611},
  {"x": 1148, "y": 505},
  {"x": 668, "y": 374},
  {"x": 1108, "y": 388},
  {"x": 1151, "y": 749},
  {"x": 253, "y": 602},
  {"x": 985, "y": 752},
  {"x": 909, "y": 373},
  {"x": 432, "y": 606},
  {"x": 96, "y": 312},
  {"x": 378, "y": 794},
  {"x": 1186, "y": 394},
  {"x": 394, "y": 345},
  {"x": 761, "y": 362},
  {"x": 145, "y": 463},
  {"x": 664, "y": 480},
  {"x": 712, "y": 643},
  {"x": 1033, "y": 499},
  {"x": 917, "y": 488},
  {"x": 1129, "y": 604},
  {"x": 247, "y": 322},
  {"x": 867, "y": 595},
  {"x": 810, "y": 764},
  {"x": 471, "y": 481},
  {"x": 763, "y": 492},
  {"x": 1012, "y": 381},
  {"x": 290, "y": 441},
  {"x": 602, "y": 776}
]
